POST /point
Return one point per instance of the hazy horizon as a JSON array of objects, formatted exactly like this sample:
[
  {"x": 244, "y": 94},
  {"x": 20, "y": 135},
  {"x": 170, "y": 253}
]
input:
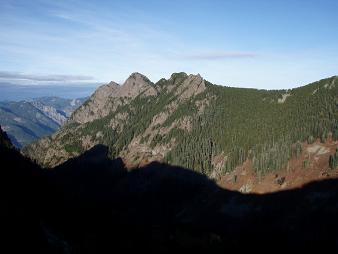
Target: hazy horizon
[{"x": 14, "y": 92}]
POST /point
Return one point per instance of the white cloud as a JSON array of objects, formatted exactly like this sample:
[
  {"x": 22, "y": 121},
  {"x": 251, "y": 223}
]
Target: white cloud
[{"x": 50, "y": 77}]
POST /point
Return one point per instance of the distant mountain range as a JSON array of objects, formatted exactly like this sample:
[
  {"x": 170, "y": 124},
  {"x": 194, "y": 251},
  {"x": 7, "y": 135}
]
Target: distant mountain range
[
  {"x": 28, "y": 120},
  {"x": 22, "y": 91}
]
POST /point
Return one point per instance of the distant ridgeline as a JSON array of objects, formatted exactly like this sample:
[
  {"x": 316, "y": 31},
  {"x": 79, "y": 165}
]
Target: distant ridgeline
[
  {"x": 190, "y": 122},
  {"x": 28, "y": 120}
]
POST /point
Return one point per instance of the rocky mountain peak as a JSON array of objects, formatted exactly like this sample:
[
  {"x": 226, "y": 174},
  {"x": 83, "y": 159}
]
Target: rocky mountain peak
[
  {"x": 96, "y": 106},
  {"x": 178, "y": 77},
  {"x": 106, "y": 90},
  {"x": 137, "y": 79},
  {"x": 113, "y": 84},
  {"x": 138, "y": 76},
  {"x": 195, "y": 78},
  {"x": 191, "y": 85},
  {"x": 136, "y": 84},
  {"x": 108, "y": 97}
]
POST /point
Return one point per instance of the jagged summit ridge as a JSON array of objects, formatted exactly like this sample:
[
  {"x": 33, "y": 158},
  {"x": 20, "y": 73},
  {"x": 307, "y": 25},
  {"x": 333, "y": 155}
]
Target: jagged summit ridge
[
  {"x": 118, "y": 106},
  {"x": 137, "y": 84},
  {"x": 192, "y": 85},
  {"x": 108, "y": 97}
]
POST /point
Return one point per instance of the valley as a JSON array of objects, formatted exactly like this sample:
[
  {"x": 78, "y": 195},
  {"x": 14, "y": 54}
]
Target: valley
[{"x": 28, "y": 120}]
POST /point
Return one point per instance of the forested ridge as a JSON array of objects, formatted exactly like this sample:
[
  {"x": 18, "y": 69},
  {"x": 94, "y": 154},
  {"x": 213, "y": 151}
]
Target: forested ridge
[
  {"x": 252, "y": 124},
  {"x": 231, "y": 124}
]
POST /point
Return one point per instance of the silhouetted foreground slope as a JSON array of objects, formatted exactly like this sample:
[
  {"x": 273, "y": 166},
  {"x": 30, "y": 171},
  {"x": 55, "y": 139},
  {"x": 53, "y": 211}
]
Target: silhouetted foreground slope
[
  {"x": 21, "y": 195},
  {"x": 91, "y": 204}
]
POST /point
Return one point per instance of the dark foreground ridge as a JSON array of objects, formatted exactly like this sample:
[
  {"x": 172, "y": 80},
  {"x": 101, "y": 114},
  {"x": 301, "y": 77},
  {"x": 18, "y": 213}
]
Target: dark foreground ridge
[{"x": 91, "y": 204}]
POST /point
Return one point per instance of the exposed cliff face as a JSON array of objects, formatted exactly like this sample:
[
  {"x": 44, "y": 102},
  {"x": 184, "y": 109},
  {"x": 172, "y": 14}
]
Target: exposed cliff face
[
  {"x": 51, "y": 112},
  {"x": 191, "y": 86},
  {"x": 98, "y": 105},
  {"x": 118, "y": 106},
  {"x": 135, "y": 85},
  {"x": 108, "y": 97}
]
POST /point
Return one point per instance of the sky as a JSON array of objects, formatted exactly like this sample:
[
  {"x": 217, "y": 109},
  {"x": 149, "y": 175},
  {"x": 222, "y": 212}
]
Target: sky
[{"x": 262, "y": 44}]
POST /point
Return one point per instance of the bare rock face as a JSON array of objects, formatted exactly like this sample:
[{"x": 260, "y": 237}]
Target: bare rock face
[
  {"x": 191, "y": 86},
  {"x": 186, "y": 85},
  {"x": 51, "y": 112},
  {"x": 137, "y": 84},
  {"x": 97, "y": 106},
  {"x": 108, "y": 97}
]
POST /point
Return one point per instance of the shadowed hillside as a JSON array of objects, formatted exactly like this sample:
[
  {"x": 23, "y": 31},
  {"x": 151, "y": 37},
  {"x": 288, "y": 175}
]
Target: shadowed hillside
[{"x": 91, "y": 204}]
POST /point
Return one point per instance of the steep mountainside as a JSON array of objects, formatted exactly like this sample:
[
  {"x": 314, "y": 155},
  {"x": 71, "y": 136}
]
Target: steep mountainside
[
  {"x": 26, "y": 121},
  {"x": 188, "y": 121},
  {"x": 5, "y": 142}
]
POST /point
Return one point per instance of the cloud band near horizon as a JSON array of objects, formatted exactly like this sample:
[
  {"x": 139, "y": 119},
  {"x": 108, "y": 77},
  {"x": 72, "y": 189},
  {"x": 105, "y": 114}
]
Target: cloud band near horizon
[{"x": 47, "y": 78}]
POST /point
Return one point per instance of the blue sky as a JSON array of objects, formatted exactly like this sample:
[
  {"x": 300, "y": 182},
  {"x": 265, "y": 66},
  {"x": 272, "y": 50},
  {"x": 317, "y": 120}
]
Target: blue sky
[{"x": 263, "y": 44}]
